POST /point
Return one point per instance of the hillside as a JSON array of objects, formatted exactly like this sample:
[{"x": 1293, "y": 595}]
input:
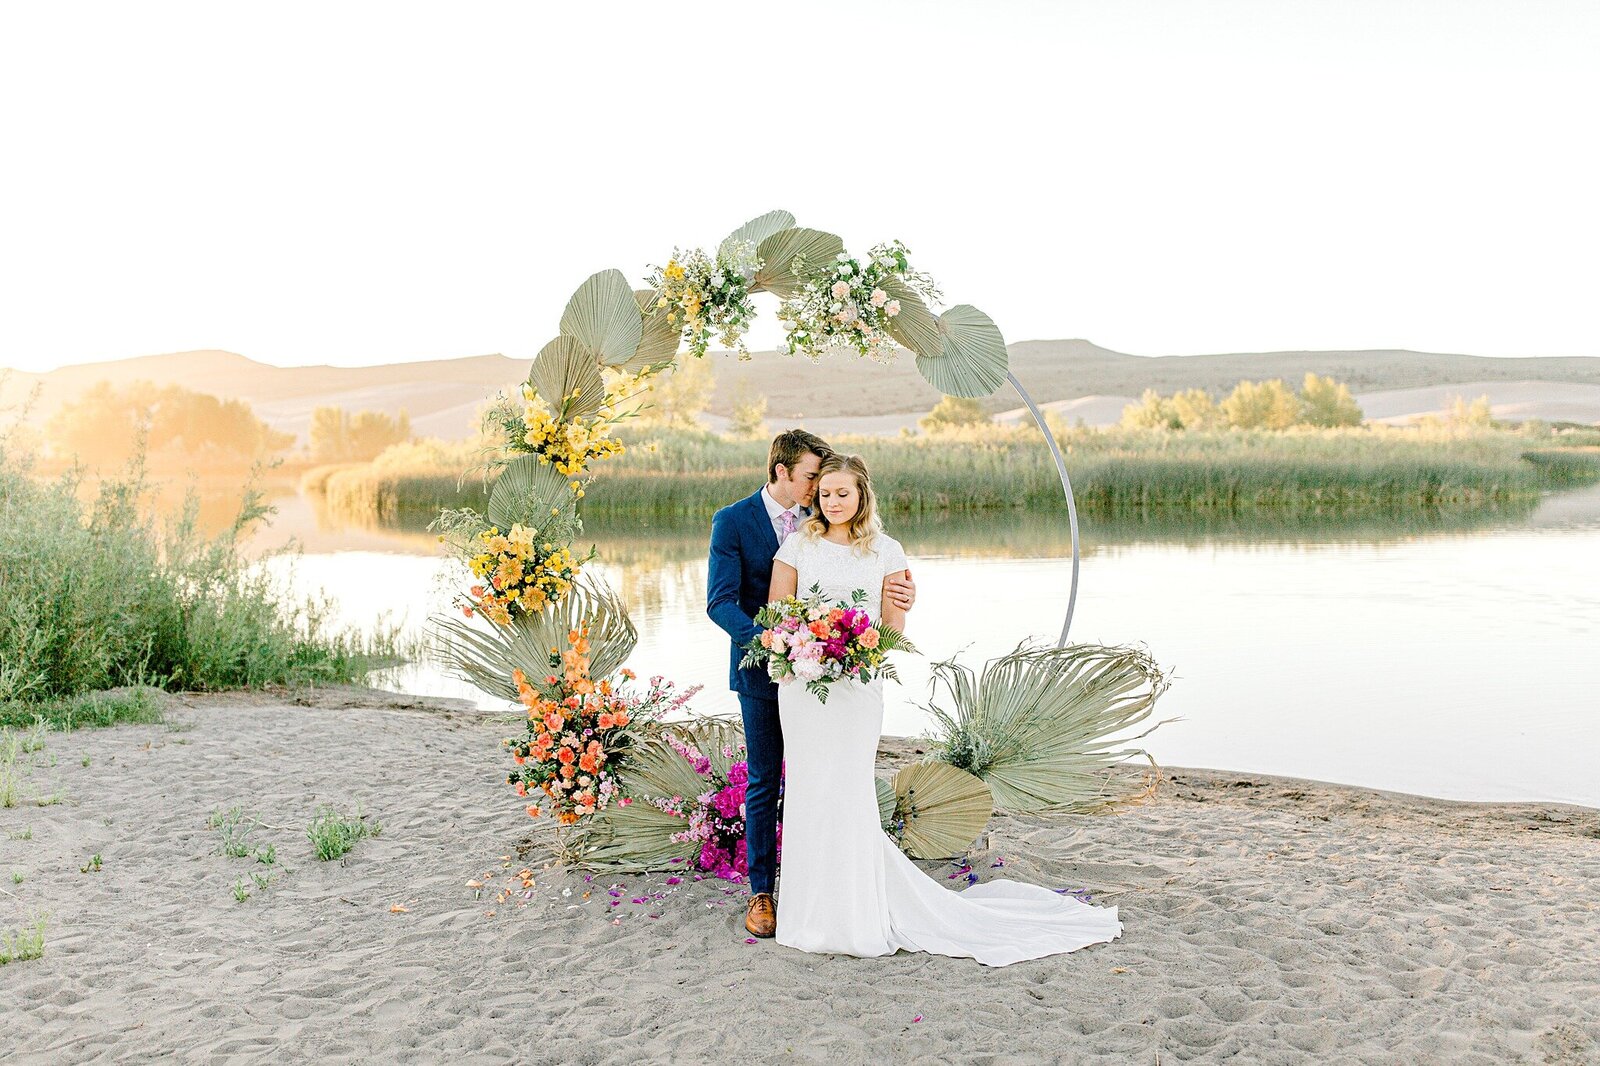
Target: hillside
[{"x": 844, "y": 393}]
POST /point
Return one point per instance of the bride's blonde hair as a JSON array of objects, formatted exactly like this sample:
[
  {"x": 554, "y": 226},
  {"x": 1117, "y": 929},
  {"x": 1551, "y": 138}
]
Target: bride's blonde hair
[{"x": 865, "y": 525}]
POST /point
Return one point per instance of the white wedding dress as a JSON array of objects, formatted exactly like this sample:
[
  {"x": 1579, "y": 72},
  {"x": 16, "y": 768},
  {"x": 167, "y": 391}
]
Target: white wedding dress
[{"x": 844, "y": 886}]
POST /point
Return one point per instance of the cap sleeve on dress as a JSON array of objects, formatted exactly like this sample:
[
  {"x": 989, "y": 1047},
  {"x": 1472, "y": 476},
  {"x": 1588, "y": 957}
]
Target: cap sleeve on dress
[
  {"x": 789, "y": 551},
  {"x": 893, "y": 555}
]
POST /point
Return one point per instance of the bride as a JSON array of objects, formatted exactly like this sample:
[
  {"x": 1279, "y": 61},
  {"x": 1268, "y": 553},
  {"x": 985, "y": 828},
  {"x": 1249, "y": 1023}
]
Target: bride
[{"x": 844, "y": 885}]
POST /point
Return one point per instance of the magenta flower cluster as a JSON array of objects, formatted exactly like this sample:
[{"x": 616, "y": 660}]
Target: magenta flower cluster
[{"x": 716, "y": 816}]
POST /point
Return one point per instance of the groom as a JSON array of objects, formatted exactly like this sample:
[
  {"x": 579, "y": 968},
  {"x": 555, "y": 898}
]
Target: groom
[{"x": 744, "y": 537}]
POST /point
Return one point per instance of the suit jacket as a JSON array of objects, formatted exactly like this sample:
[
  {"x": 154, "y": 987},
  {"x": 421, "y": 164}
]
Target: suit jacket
[{"x": 743, "y": 543}]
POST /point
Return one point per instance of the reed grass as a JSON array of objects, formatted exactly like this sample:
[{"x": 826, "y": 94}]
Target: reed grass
[
  {"x": 1302, "y": 472},
  {"x": 105, "y": 595}
]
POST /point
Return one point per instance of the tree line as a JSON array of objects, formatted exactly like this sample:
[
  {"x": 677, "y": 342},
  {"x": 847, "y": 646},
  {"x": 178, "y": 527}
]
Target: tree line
[{"x": 1321, "y": 402}]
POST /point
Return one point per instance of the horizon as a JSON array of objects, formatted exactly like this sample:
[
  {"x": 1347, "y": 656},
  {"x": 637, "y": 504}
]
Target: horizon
[
  {"x": 719, "y": 352},
  {"x": 1233, "y": 177}
]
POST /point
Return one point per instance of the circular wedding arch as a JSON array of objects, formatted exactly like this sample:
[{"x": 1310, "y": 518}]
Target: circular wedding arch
[{"x": 960, "y": 352}]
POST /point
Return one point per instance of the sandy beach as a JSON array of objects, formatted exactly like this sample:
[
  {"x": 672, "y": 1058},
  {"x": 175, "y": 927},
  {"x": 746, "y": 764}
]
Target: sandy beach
[{"x": 1266, "y": 920}]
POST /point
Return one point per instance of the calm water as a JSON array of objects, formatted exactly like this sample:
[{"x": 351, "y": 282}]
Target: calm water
[{"x": 1453, "y": 659}]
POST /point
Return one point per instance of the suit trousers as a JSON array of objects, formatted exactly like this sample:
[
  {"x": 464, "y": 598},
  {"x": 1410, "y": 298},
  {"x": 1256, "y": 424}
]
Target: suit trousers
[{"x": 763, "y": 738}]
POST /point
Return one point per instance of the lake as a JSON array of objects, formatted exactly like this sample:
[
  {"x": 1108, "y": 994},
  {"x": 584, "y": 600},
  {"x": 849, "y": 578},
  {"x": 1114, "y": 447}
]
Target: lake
[{"x": 1451, "y": 657}]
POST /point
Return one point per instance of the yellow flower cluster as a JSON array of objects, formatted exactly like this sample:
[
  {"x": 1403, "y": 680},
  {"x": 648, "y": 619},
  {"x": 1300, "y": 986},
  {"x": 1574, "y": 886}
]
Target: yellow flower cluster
[
  {"x": 572, "y": 444},
  {"x": 522, "y": 575}
]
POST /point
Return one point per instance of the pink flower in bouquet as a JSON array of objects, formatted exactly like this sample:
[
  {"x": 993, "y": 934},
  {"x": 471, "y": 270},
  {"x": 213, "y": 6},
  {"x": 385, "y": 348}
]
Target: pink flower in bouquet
[
  {"x": 868, "y": 638},
  {"x": 860, "y": 623},
  {"x": 739, "y": 773},
  {"x": 766, "y": 639}
]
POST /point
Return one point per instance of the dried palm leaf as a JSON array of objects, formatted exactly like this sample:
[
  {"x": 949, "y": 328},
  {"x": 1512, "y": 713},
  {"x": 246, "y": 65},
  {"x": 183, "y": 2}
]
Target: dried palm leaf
[
  {"x": 639, "y": 836},
  {"x": 886, "y": 801},
  {"x": 629, "y": 839},
  {"x": 915, "y": 327},
  {"x": 532, "y": 493},
  {"x": 756, "y": 230},
  {"x": 1044, "y": 726},
  {"x": 972, "y": 360},
  {"x": 944, "y": 809},
  {"x": 485, "y": 654},
  {"x": 565, "y": 366},
  {"x": 659, "y": 342},
  {"x": 786, "y": 249},
  {"x": 603, "y": 317}
]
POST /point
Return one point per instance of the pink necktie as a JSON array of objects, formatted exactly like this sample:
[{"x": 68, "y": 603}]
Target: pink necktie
[{"x": 789, "y": 524}]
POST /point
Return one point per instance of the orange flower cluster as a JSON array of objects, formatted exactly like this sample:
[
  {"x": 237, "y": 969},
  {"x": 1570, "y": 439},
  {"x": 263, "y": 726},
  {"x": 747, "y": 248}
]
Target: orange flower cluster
[{"x": 576, "y": 727}]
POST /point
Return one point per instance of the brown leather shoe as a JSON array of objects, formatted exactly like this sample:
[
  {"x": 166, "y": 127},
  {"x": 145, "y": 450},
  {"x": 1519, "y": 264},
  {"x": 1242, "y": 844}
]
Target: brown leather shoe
[{"x": 761, "y": 916}]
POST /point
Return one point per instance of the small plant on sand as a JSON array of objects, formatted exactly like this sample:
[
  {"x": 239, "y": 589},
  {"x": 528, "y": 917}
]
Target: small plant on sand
[
  {"x": 20, "y": 945},
  {"x": 16, "y": 877},
  {"x": 52, "y": 799},
  {"x": 92, "y": 866},
  {"x": 235, "y": 828},
  {"x": 261, "y": 880},
  {"x": 86, "y": 760},
  {"x": 267, "y": 854},
  {"x": 8, "y": 784},
  {"x": 332, "y": 834},
  {"x": 240, "y": 892},
  {"x": 26, "y": 834}
]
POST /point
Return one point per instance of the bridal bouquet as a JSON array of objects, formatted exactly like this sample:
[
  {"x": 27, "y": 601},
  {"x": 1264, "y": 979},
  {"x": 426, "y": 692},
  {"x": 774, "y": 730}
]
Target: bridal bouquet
[
  {"x": 810, "y": 640},
  {"x": 579, "y": 732}
]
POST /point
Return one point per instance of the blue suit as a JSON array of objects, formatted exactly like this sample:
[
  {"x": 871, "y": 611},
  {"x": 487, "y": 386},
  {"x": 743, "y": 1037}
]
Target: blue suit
[{"x": 743, "y": 543}]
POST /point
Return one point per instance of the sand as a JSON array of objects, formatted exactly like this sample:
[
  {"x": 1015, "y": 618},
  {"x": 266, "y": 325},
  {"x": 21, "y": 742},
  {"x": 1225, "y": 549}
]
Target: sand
[{"x": 1267, "y": 920}]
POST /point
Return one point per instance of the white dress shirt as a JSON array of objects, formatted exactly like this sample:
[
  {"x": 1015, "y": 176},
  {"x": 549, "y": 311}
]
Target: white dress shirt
[{"x": 776, "y": 511}]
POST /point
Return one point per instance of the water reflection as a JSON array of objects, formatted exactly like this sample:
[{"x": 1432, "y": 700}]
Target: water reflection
[{"x": 1448, "y": 654}]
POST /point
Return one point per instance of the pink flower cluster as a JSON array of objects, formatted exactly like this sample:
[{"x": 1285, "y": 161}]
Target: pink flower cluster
[
  {"x": 807, "y": 640},
  {"x": 716, "y": 816}
]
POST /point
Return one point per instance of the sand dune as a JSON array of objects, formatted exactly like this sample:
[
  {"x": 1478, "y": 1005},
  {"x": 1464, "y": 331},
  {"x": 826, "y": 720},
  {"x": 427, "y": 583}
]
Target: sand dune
[
  {"x": 1511, "y": 401},
  {"x": 843, "y": 394},
  {"x": 1267, "y": 920}
]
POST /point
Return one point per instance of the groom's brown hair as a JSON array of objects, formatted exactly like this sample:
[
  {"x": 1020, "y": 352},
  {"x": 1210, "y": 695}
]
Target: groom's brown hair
[{"x": 790, "y": 446}]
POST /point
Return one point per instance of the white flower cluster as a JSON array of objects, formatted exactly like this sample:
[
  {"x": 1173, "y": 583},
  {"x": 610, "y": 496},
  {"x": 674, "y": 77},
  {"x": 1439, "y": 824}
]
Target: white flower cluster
[
  {"x": 705, "y": 296},
  {"x": 846, "y": 304}
]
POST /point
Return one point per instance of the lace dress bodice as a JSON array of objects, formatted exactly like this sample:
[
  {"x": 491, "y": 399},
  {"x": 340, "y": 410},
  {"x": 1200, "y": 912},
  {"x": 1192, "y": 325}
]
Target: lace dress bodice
[{"x": 840, "y": 569}]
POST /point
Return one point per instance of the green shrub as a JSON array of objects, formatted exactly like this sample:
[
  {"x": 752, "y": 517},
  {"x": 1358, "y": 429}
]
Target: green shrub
[{"x": 105, "y": 595}]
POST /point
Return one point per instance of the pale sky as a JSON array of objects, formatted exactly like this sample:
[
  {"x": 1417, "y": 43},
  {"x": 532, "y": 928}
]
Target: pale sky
[{"x": 357, "y": 183}]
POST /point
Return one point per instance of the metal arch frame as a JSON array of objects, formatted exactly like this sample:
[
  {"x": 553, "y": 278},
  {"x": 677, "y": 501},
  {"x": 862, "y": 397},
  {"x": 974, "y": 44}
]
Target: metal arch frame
[{"x": 1066, "y": 487}]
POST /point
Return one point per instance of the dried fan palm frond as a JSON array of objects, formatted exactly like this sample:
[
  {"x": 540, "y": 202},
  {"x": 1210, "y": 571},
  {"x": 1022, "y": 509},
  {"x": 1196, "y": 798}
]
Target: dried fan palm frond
[
  {"x": 535, "y": 494},
  {"x": 485, "y": 654},
  {"x": 886, "y": 802},
  {"x": 779, "y": 252},
  {"x": 756, "y": 230},
  {"x": 630, "y": 839},
  {"x": 659, "y": 342},
  {"x": 603, "y": 317},
  {"x": 915, "y": 327},
  {"x": 944, "y": 809},
  {"x": 639, "y": 836},
  {"x": 565, "y": 366},
  {"x": 972, "y": 361},
  {"x": 1045, "y": 726}
]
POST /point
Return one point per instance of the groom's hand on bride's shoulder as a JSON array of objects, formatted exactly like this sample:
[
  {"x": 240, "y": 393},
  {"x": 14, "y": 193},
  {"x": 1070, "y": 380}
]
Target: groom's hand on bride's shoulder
[{"x": 903, "y": 591}]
